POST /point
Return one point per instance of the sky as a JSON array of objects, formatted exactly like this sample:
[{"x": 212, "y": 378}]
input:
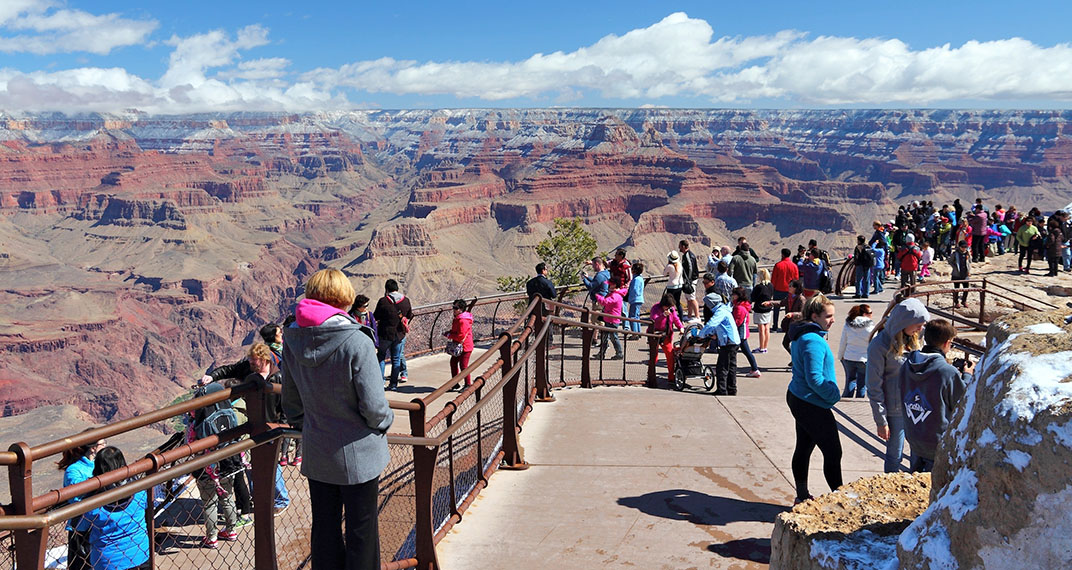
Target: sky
[{"x": 79, "y": 56}]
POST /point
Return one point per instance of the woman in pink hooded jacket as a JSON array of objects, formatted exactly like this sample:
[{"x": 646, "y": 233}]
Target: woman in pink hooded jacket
[
  {"x": 461, "y": 331},
  {"x": 612, "y": 307}
]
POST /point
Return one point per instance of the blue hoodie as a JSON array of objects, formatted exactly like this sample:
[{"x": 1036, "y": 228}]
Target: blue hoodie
[
  {"x": 814, "y": 379},
  {"x": 721, "y": 324},
  {"x": 930, "y": 388}
]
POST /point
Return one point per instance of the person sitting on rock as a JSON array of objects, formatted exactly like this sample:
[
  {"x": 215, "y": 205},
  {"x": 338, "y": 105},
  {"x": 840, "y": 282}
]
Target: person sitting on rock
[{"x": 930, "y": 388}]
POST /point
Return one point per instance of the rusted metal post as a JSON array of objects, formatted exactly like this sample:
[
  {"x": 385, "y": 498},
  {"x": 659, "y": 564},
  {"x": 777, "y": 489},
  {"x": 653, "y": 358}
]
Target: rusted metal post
[
  {"x": 982, "y": 302},
  {"x": 263, "y": 459},
  {"x": 543, "y": 380},
  {"x": 653, "y": 351},
  {"x": 586, "y": 350},
  {"x": 29, "y": 544},
  {"x": 424, "y": 460}
]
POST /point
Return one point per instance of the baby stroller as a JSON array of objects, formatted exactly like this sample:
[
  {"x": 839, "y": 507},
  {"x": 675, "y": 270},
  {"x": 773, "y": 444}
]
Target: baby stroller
[{"x": 688, "y": 354}]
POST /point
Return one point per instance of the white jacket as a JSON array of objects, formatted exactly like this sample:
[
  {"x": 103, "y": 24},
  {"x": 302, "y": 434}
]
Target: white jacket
[{"x": 854, "y": 339}]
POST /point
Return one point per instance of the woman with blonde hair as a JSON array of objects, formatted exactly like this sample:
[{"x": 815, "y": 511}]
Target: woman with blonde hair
[
  {"x": 812, "y": 392},
  {"x": 897, "y": 334},
  {"x": 333, "y": 392},
  {"x": 763, "y": 307}
]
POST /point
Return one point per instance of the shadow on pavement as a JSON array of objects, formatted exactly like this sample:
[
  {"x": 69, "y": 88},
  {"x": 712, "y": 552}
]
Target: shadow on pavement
[{"x": 707, "y": 510}]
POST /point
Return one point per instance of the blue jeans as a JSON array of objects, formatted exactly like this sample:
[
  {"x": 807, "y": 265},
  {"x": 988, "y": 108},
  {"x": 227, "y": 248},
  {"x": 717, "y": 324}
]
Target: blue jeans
[
  {"x": 393, "y": 350},
  {"x": 1066, "y": 258},
  {"x": 894, "y": 445},
  {"x": 854, "y": 378},
  {"x": 282, "y": 497},
  {"x": 863, "y": 277},
  {"x": 877, "y": 277},
  {"x": 746, "y": 350},
  {"x": 634, "y": 313}
]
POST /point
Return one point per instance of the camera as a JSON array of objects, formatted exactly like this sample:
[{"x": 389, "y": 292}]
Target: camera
[{"x": 961, "y": 363}]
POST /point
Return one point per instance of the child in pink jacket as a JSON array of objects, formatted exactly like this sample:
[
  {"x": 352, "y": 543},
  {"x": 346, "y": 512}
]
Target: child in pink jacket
[{"x": 612, "y": 307}]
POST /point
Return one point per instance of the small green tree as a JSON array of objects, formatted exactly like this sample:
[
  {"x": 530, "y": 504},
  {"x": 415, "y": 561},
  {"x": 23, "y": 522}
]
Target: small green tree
[{"x": 567, "y": 247}]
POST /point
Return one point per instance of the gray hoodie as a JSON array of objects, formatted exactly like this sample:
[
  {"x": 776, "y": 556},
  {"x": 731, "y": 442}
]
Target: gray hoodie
[
  {"x": 883, "y": 368},
  {"x": 931, "y": 388},
  {"x": 333, "y": 388}
]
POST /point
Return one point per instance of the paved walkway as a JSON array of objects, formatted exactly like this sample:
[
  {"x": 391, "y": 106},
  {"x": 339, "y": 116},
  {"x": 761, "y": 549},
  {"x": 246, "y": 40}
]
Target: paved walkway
[{"x": 640, "y": 478}]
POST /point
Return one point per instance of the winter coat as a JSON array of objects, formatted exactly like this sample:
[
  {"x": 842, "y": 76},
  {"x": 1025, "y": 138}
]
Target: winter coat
[
  {"x": 784, "y": 272},
  {"x": 762, "y": 292},
  {"x": 1025, "y": 234},
  {"x": 926, "y": 256},
  {"x": 880, "y": 257},
  {"x": 740, "y": 316},
  {"x": 1054, "y": 239},
  {"x": 883, "y": 367},
  {"x": 612, "y": 306},
  {"x": 909, "y": 256},
  {"x": 931, "y": 388},
  {"x": 333, "y": 389},
  {"x": 854, "y": 339},
  {"x": 461, "y": 330},
  {"x": 978, "y": 222},
  {"x": 77, "y": 472},
  {"x": 635, "y": 296},
  {"x": 814, "y": 379},
  {"x": 721, "y": 324},
  {"x": 542, "y": 286},
  {"x": 810, "y": 273},
  {"x": 118, "y": 538},
  {"x": 961, "y": 264},
  {"x": 743, "y": 269},
  {"x": 389, "y": 312}
]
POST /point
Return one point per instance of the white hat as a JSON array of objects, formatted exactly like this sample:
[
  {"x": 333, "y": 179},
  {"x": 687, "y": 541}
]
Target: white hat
[{"x": 673, "y": 256}]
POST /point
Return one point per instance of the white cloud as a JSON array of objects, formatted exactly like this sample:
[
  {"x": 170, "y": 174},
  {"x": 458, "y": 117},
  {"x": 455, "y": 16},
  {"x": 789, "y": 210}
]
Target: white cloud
[
  {"x": 676, "y": 58},
  {"x": 41, "y": 28}
]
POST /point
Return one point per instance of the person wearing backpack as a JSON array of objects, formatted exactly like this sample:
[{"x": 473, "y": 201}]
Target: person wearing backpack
[
  {"x": 393, "y": 313},
  {"x": 215, "y": 483},
  {"x": 862, "y": 259}
]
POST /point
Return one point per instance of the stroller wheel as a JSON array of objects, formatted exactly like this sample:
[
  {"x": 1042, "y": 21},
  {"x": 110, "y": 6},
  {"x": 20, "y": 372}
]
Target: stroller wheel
[
  {"x": 679, "y": 378},
  {"x": 709, "y": 377}
]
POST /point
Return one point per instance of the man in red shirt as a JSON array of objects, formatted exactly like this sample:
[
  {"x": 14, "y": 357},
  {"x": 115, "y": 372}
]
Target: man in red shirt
[{"x": 784, "y": 272}]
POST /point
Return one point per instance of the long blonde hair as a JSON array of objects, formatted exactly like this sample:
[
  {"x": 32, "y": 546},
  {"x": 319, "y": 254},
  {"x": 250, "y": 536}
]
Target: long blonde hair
[
  {"x": 764, "y": 276},
  {"x": 901, "y": 341}
]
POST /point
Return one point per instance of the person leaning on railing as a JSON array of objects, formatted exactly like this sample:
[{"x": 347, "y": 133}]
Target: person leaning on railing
[
  {"x": 118, "y": 537},
  {"x": 77, "y": 465},
  {"x": 333, "y": 392}
]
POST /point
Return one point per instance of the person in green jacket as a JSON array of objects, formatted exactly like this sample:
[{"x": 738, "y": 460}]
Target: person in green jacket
[{"x": 1026, "y": 238}]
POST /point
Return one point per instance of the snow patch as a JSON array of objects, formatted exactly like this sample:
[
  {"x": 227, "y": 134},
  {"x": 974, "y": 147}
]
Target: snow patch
[
  {"x": 1044, "y": 328},
  {"x": 1017, "y": 459},
  {"x": 987, "y": 437},
  {"x": 1037, "y": 386},
  {"x": 960, "y": 497},
  {"x": 1030, "y": 437},
  {"x": 1062, "y": 433},
  {"x": 862, "y": 550}
]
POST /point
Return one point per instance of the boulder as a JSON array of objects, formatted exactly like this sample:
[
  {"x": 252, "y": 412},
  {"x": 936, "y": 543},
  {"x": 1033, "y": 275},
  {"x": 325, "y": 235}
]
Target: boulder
[
  {"x": 1001, "y": 494},
  {"x": 853, "y": 528}
]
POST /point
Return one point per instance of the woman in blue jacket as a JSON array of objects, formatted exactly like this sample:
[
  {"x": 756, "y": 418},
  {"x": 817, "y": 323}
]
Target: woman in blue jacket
[
  {"x": 812, "y": 392},
  {"x": 77, "y": 465},
  {"x": 118, "y": 536}
]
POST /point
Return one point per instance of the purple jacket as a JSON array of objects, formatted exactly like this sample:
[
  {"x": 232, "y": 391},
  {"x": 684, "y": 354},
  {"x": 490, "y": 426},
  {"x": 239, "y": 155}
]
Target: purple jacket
[{"x": 977, "y": 221}]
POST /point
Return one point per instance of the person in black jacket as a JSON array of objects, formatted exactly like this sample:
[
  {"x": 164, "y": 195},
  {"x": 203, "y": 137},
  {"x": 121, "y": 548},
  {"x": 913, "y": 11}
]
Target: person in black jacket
[
  {"x": 272, "y": 334},
  {"x": 930, "y": 389},
  {"x": 393, "y": 313},
  {"x": 541, "y": 284}
]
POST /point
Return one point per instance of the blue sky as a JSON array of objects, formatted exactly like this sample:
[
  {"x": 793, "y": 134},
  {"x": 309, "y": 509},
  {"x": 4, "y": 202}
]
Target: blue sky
[{"x": 111, "y": 55}]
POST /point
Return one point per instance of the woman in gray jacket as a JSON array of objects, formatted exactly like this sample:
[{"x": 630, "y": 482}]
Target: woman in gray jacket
[
  {"x": 896, "y": 334},
  {"x": 333, "y": 393}
]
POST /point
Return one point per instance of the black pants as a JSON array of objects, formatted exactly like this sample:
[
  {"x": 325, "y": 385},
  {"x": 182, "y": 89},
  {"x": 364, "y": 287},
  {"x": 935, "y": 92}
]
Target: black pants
[
  {"x": 243, "y": 500},
  {"x": 675, "y": 294},
  {"x": 361, "y": 548},
  {"x": 726, "y": 370},
  {"x": 815, "y": 427},
  {"x": 78, "y": 548},
  {"x": 777, "y": 301},
  {"x": 963, "y": 296},
  {"x": 978, "y": 249},
  {"x": 1025, "y": 251},
  {"x": 1054, "y": 261}
]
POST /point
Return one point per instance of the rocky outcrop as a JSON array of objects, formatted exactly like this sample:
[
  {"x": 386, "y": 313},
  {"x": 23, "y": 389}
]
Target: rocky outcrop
[
  {"x": 400, "y": 240},
  {"x": 853, "y": 528},
  {"x": 1001, "y": 495}
]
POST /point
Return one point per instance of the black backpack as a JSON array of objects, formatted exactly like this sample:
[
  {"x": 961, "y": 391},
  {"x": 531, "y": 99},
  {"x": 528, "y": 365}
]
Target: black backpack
[
  {"x": 865, "y": 257},
  {"x": 215, "y": 418}
]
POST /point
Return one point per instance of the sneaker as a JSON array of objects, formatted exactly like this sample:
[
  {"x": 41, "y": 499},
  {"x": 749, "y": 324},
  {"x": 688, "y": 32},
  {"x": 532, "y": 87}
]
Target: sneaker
[
  {"x": 228, "y": 535},
  {"x": 280, "y": 510},
  {"x": 296, "y": 462},
  {"x": 209, "y": 543},
  {"x": 618, "y": 356},
  {"x": 244, "y": 521},
  {"x": 754, "y": 374},
  {"x": 283, "y": 462},
  {"x": 799, "y": 500},
  {"x": 402, "y": 378}
]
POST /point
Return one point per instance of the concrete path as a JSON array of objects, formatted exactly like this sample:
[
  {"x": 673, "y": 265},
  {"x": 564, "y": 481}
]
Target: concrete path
[{"x": 640, "y": 478}]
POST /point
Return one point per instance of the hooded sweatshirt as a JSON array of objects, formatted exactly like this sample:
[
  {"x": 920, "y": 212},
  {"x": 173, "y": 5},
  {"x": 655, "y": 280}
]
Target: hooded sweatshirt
[
  {"x": 461, "y": 330},
  {"x": 721, "y": 324},
  {"x": 931, "y": 388},
  {"x": 333, "y": 389},
  {"x": 814, "y": 379},
  {"x": 854, "y": 339},
  {"x": 883, "y": 368}
]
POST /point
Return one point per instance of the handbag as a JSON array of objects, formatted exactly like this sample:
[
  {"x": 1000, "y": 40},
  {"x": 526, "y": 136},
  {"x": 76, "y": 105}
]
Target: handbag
[{"x": 454, "y": 348}]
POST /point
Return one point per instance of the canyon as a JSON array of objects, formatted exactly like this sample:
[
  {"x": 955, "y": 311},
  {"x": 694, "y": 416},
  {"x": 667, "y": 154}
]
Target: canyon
[{"x": 137, "y": 250}]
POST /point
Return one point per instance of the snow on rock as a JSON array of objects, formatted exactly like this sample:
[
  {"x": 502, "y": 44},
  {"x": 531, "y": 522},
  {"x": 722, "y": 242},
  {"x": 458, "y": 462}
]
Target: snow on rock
[{"x": 1001, "y": 494}]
